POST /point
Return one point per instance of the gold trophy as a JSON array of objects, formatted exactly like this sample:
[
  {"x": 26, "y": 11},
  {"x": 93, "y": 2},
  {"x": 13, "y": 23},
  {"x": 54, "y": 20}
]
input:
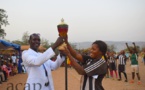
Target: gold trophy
[{"x": 62, "y": 30}]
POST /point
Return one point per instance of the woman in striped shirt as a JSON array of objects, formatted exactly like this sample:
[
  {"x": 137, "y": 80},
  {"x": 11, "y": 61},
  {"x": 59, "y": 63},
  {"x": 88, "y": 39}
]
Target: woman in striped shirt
[
  {"x": 112, "y": 64},
  {"x": 94, "y": 67},
  {"x": 121, "y": 65}
]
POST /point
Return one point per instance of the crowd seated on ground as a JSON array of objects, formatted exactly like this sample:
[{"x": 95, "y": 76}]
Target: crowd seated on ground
[{"x": 7, "y": 67}]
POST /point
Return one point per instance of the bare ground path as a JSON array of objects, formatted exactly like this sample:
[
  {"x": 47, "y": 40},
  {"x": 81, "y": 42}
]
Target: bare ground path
[{"x": 74, "y": 80}]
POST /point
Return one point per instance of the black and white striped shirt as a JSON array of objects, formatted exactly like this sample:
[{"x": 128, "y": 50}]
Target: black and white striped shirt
[
  {"x": 122, "y": 59},
  {"x": 111, "y": 60},
  {"x": 95, "y": 72}
]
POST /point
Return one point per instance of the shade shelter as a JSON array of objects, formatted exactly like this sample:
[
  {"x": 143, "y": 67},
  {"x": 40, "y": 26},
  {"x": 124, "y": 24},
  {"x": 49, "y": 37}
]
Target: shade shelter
[
  {"x": 26, "y": 47},
  {"x": 5, "y": 45}
]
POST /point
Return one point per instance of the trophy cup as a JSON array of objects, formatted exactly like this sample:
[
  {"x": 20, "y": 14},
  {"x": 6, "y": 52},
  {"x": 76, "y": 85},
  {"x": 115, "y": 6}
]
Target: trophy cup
[{"x": 62, "y": 30}]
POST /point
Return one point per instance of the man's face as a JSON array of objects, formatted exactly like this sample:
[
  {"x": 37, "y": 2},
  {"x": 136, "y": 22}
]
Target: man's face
[
  {"x": 94, "y": 51},
  {"x": 34, "y": 42},
  {"x": 122, "y": 52}
]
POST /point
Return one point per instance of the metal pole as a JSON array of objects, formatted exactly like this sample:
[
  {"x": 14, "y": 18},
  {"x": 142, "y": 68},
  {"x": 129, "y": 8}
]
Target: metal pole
[{"x": 66, "y": 88}]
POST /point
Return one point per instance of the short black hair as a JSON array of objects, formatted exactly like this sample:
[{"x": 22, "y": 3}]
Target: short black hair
[
  {"x": 102, "y": 47},
  {"x": 34, "y": 34}
]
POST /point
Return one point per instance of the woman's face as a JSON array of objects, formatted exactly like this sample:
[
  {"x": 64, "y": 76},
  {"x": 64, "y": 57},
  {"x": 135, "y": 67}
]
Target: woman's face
[{"x": 95, "y": 51}]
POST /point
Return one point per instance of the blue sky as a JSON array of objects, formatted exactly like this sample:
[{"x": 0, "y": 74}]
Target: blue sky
[{"x": 88, "y": 20}]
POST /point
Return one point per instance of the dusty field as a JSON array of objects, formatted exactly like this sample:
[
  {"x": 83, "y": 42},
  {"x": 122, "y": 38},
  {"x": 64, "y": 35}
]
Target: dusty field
[{"x": 74, "y": 80}]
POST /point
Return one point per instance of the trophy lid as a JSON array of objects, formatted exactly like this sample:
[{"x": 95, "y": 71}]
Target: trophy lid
[{"x": 62, "y": 22}]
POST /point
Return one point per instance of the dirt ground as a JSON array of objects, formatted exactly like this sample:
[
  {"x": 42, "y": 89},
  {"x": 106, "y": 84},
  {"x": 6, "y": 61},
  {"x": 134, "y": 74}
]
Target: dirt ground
[{"x": 74, "y": 80}]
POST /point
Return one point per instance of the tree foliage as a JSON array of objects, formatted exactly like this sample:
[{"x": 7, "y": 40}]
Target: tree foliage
[
  {"x": 25, "y": 38},
  {"x": 18, "y": 42},
  {"x": 2, "y": 33},
  {"x": 111, "y": 48},
  {"x": 3, "y": 21},
  {"x": 45, "y": 43}
]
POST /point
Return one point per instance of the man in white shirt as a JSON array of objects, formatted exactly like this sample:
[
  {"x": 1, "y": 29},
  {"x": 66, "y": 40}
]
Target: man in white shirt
[
  {"x": 39, "y": 66},
  {"x": 14, "y": 59}
]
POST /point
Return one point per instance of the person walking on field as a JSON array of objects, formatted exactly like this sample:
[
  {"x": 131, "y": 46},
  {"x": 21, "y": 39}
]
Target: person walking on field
[
  {"x": 134, "y": 63},
  {"x": 143, "y": 57},
  {"x": 112, "y": 65},
  {"x": 121, "y": 65}
]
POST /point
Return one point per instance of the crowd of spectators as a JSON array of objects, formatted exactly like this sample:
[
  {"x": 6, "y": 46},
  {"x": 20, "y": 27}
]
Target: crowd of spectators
[{"x": 8, "y": 66}]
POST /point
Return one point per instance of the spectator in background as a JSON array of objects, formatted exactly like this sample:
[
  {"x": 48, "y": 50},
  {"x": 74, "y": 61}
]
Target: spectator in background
[
  {"x": 5, "y": 68},
  {"x": 14, "y": 59},
  {"x": 4, "y": 72},
  {"x": 1, "y": 55},
  {"x": 0, "y": 61},
  {"x": 143, "y": 57},
  {"x": 108, "y": 70},
  {"x": 2, "y": 78},
  {"x": 9, "y": 67},
  {"x": 134, "y": 63},
  {"x": 23, "y": 67},
  {"x": 15, "y": 70},
  {"x": 121, "y": 65},
  {"x": 112, "y": 64}
]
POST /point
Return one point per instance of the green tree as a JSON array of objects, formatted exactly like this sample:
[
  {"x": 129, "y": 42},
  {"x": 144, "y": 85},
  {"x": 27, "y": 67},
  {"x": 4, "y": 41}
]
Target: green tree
[
  {"x": 111, "y": 48},
  {"x": 45, "y": 43},
  {"x": 25, "y": 38},
  {"x": 7, "y": 40},
  {"x": 2, "y": 33},
  {"x": 3, "y": 21},
  {"x": 18, "y": 42}
]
